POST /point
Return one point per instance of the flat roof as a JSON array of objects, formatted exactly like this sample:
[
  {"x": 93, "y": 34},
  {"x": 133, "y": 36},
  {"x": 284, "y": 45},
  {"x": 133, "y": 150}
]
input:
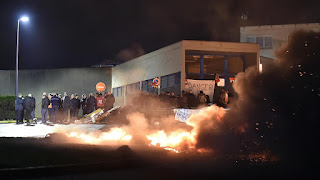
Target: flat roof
[
  {"x": 213, "y": 46},
  {"x": 281, "y": 26}
]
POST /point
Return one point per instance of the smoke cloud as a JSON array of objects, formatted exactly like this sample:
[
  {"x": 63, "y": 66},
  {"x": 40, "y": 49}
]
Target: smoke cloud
[
  {"x": 135, "y": 50},
  {"x": 276, "y": 110}
]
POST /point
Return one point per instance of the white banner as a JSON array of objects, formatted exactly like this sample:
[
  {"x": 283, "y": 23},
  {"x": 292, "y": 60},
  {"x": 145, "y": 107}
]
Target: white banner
[
  {"x": 184, "y": 114},
  {"x": 207, "y": 86}
]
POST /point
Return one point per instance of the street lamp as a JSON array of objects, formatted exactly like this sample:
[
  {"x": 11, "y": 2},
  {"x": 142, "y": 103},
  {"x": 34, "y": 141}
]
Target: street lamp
[{"x": 17, "y": 52}]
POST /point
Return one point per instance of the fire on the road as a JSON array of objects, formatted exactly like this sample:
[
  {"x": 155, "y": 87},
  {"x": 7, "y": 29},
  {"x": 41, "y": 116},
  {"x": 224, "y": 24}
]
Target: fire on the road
[
  {"x": 115, "y": 135},
  {"x": 174, "y": 141},
  {"x": 177, "y": 141}
]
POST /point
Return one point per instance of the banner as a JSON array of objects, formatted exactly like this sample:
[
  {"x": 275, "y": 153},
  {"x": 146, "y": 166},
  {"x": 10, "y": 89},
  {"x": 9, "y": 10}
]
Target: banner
[
  {"x": 207, "y": 86},
  {"x": 184, "y": 114}
]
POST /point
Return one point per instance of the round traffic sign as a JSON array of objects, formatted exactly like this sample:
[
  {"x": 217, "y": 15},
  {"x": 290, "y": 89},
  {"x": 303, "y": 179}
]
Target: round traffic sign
[
  {"x": 100, "y": 87},
  {"x": 156, "y": 81}
]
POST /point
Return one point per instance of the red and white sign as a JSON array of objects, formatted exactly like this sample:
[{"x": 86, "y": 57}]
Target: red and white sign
[
  {"x": 156, "y": 81},
  {"x": 100, "y": 87},
  {"x": 217, "y": 78},
  {"x": 232, "y": 80}
]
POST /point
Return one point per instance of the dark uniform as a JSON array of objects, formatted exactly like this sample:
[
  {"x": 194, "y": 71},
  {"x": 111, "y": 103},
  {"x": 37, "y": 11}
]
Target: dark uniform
[
  {"x": 91, "y": 103},
  {"x": 28, "y": 105},
  {"x": 19, "y": 110},
  {"x": 56, "y": 103},
  {"x": 66, "y": 107},
  {"x": 44, "y": 109},
  {"x": 74, "y": 104},
  {"x": 109, "y": 101},
  {"x": 84, "y": 105}
]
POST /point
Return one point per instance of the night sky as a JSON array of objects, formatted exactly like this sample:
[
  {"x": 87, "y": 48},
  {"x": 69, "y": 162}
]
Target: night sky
[{"x": 76, "y": 33}]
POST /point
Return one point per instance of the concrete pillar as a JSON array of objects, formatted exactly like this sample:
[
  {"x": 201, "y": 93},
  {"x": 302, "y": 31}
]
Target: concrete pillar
[
  {"x": 183, "y": 69},
  {"x": 201, "y": 67},
  {"x": 244, "y": 63},
  {"x": 226, "y": 77},
  {"x": 124, "y": 95}
]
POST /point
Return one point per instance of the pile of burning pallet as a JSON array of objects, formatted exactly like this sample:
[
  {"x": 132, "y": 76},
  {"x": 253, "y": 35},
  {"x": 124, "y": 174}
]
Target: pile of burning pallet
[{"x": 96, "y": 116}]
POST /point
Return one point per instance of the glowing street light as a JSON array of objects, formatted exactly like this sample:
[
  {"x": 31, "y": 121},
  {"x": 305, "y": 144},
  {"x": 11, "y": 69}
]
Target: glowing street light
[{"x": 24, "y": 19}]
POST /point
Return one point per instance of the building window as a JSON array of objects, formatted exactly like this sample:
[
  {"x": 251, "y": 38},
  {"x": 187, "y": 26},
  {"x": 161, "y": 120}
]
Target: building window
[
  {"x": 268, "y": 41},
  {"x": 170, "y": 80},
  {"x": 118, "y": 91},
  {"x": 259, "y": 40},
  {"x": 147, "y": 85},
  {"x": 171, "y": 83},
  {"x": 133, "y": 88},
  {"x": 263, "y": 41},
  {"x": 251, "y": 39}
]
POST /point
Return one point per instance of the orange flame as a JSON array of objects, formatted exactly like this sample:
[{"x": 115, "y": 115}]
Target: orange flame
[
  {"x": 115, "y": 135},
  {"x": 182, "y": 139},
  {"x": 176, "y": 141}
]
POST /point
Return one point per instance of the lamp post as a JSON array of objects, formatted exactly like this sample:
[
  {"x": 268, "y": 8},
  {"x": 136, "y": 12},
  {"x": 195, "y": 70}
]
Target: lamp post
[{"x": 17, "y": 52}]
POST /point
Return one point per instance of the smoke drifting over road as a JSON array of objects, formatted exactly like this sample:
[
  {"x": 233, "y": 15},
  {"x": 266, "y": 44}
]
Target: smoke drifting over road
[{"x": 275, "y": 112}]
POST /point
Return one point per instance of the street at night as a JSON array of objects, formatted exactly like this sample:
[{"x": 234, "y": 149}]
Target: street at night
[{"x": 159, "y": 90}]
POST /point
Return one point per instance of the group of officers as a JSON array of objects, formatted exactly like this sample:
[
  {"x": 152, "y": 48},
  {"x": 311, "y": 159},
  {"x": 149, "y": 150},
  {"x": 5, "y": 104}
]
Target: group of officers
[{"x": 58, "y": 107}]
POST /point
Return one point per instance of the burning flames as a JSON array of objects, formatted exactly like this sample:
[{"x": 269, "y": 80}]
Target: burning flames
[
  {"x": 115, "y": 135},
  {"x": 174, "y": 141},
  {"x": 177, "y": 141},
  {"x": 182, "y": 140}
]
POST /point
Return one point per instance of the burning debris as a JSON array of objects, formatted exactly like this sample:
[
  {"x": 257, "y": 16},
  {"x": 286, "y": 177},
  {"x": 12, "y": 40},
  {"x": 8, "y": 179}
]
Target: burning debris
[
  {"x": 267, "y": 116},
  {"x": 114, "y": 136}
]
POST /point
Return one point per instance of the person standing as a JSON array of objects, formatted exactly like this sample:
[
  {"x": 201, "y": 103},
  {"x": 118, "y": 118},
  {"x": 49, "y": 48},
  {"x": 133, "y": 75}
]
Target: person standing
[
  {"x": 84, "y": 104},
  {"x": 33, "y": 104},
  {"x": 191, "y": 99},
  {"x": 99, "y": 101},
  {"x": 109, "y": 101},
  {"x": 44, "y": 108},
  {"x": 202, "y": 100},
  {"x": 78, "y": 105},
  {"x": 50, "y": 107},
  {"x": 91, "y": 103},
  {"x": 19, "y": 109},
  {"x": 65, "y": 106},
  {"x": 182, "y": 100},
  {"x": 223, "y": 98},
  {"x": 73, "y": 108},
  {"x": 173, "y": 100},
  {"x": 28, "y": 106},
  {"x": 55, "y": 101}
]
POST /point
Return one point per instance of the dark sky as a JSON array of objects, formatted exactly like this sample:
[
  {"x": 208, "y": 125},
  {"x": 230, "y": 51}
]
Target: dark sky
[{"x": 78, "y": 33}]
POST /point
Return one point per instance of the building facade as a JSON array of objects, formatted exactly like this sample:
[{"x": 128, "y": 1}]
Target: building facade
[
  {"x": 173, "y": 64},
  {"x": 271, "y": 37}
]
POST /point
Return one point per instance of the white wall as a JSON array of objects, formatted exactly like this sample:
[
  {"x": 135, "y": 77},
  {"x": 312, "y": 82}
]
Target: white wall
[
  {"x": 171, "y": 59},
  {"x": 280, "y": 34},
  {"x": 167, "y": 60}
]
